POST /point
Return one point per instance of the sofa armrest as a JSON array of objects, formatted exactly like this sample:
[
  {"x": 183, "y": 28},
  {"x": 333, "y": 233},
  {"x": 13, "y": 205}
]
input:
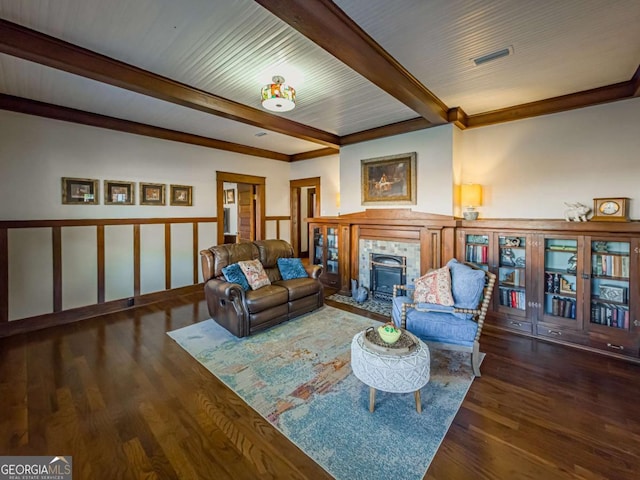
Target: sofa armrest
[
  {"x": 314, "y": 271},
  {"x": 207, "y": 261},
  {"x": 226, "y": 303}
]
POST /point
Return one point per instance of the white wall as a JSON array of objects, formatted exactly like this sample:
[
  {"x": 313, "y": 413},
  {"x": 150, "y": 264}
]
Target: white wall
[
  {"x": 36, "y": 152},
  {"x": 530, "y": 167},
  {"x": 434, "y": 149},
  {"x": 328, "y": 169},
  {"x": 233, "y": 208}
]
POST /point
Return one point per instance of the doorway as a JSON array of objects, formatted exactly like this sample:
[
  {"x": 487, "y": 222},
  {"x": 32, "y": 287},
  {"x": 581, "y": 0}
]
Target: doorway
[
  {"x": 304, "y": 197},
  {"x": 250, "y": 202}
]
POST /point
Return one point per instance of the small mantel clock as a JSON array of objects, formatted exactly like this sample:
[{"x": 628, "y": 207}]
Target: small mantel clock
[{"x": 610, "y": 209}]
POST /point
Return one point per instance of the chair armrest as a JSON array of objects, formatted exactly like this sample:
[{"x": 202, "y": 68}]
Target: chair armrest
[
  {"x": 314, "y": 271},
  {"x": 407, "y": 288}
]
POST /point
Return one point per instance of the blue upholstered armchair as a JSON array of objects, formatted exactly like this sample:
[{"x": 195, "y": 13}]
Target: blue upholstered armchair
[{"x": 451, "y": 315}]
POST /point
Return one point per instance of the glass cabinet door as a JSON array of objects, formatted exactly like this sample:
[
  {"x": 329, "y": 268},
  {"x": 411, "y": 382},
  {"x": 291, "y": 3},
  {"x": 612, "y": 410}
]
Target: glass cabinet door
[
  {"x": 609, "y": 285},
  {"x": 318, "y": 247},
  {"x": 561, "y": 282},
  {"x": 512, "y": 263},
  {"x": 477, "y": 250},
  {"x": 332, "y": 250}
]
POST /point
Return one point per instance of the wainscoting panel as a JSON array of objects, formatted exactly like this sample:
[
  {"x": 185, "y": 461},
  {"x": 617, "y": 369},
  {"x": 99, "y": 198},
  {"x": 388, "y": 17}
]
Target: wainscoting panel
[
  {"x": 207, "y": 237},
  {"x": 79, "y": 266},
  {"x": 118, "y": 261},
  {"x": 181, "y": 254},
  {"x": 30, "y": 265},
  {"x": 152, "y": 258}
]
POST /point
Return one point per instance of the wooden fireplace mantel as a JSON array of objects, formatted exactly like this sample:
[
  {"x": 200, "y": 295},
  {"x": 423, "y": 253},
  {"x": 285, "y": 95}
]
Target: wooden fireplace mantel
[{"x": 435, "y": 234}]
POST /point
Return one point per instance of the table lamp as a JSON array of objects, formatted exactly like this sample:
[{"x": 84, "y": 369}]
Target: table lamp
[{"x": 470, "y": 198}]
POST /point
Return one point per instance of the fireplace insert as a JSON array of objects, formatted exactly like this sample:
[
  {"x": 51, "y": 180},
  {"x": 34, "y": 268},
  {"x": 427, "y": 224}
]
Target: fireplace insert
[{"x": 385, "y": 272}]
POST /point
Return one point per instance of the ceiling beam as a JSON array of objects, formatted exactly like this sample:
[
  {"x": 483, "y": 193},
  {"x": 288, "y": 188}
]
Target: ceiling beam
[
  {"x": 398, "y": 128},
  {"x": 30, "y": 45},
  {"x": 41, "y": 109},
  {"x": 587, "y": 98},
  {"x": 323, "y": 152},
  {"x": 322, "y": 22}
]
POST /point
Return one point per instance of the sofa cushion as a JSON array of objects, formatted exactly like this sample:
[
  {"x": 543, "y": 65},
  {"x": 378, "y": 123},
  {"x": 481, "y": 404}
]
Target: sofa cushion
[
  {"x": 467, "y": 284},
  {"x": 300, "y": 287},
  {"x": 233, "y": 273},
  {"x": 291, "y": 268},
  {"x": 434, "y": 287},
  {"x": 269, "y": 296},
  {"x": 256, "y": 276}
]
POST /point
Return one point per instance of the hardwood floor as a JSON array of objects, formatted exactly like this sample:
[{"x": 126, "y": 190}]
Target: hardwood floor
[{"x": 127, "y": 402}]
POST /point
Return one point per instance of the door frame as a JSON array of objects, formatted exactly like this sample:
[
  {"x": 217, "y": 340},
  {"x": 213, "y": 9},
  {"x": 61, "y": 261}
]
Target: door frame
[
  {"x": 295, "y": 187},
  {"x": 259, "y": 183}
]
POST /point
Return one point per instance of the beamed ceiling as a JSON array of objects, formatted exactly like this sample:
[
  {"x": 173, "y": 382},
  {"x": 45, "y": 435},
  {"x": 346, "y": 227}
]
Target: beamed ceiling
[{"x": 191, "y": 70}]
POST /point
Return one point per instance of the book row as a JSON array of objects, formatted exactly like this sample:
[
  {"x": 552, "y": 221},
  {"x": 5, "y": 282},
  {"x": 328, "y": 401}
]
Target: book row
[
  {"x": 610, "y": 265},
  {"x": 563, "y": 307},
  {"x": 477, "y": 253},
  {"x": 510, "y": 297},
  {"x": 610, "y": 315}
]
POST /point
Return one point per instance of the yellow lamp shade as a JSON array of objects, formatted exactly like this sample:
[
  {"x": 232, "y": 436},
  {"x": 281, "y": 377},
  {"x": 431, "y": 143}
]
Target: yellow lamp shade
[{"x": 471, "y": 195}]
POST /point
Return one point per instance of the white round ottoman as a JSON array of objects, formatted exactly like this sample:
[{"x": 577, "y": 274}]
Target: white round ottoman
[{"x": 395, "y": 373}]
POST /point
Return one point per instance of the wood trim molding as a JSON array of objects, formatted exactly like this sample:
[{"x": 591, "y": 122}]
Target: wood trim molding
[
  {"x": 56, "y": 246},
  {"x": 167, "y": 256},
  {"x": 101, "y": 264},
  {"x": 136, "y": 260},
  {"x": 295, "y": 213},
  {"x": 635, "y": 80},
  {"x": 330, "y": 28},
  {"x": 28, "y": 44},
  {"x": 196, "y": 252},
  {"x": 4, "y": 276},
  {"x": 259, "y": 183},
  {"x": 85, "y": 222},
  {"x": 56, "y": 112}
]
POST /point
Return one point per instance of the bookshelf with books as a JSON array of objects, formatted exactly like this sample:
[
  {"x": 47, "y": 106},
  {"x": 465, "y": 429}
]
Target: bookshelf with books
[
  {"x": 506, "y": 255},
  {"x": 325, "y": 249},
  {"x": 580, "y": 284}
]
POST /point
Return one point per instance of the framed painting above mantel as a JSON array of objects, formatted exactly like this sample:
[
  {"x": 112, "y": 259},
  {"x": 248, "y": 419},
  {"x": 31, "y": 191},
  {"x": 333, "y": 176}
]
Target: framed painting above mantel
[{"x": 389, "y": 180}]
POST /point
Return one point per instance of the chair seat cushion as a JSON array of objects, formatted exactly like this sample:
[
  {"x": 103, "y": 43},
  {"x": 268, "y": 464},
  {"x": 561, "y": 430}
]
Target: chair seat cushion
[{"x": 441, "y": 327}]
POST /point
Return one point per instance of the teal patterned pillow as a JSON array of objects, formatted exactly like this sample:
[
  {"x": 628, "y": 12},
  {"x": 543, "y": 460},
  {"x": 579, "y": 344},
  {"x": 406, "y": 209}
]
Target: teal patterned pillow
[
  {"x": 233, "y": 273},
  {"x": 291, "y": 268}
]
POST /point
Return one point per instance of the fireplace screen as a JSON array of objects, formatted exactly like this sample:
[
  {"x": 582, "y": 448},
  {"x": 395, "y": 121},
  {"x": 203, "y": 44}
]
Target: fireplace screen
[{"x": 386, "y": 271}]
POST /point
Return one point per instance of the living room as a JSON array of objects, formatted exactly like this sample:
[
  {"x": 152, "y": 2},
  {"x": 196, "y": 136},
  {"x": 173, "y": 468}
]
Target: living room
[{"x": 528, "y": 168}]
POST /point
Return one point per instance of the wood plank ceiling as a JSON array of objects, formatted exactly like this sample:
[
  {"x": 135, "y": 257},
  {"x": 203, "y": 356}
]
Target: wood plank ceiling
[{"x": 191, "y": 71}]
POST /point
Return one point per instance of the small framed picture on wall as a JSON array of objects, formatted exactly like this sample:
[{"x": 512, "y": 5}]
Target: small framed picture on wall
[
  {"x": 230, "y": 196},
  {"x": 152, "y": 194},
  {"x": 79, "y": 191},
  {"x": 181, "y": 195},
  {"x": 117, "y": 192}
]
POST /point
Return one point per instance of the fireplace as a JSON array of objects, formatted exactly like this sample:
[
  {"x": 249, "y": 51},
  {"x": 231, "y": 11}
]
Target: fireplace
[{"x": 386, "y": 271}]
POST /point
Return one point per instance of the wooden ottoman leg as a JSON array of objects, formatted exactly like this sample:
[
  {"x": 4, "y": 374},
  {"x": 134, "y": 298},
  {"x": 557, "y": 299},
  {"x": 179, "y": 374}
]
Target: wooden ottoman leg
[
  {"x": 418, "y": 401},
  {"x": 372, "y": 399}
]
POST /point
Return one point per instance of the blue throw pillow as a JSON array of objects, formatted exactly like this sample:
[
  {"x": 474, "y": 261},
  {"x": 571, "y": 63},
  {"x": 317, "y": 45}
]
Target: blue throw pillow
[
  {"x": 233, "y": 273},
  {"x": 291, "y": 268},
  {"x": 467, "y": 284}
]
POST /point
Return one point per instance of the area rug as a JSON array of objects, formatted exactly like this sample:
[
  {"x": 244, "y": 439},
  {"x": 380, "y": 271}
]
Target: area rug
[
  {"x": 371, "y": 305},
  {"x": 297, "y": 375}
]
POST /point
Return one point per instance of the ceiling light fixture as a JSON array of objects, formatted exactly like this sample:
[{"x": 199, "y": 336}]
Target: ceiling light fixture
[{"x": 278, "y": 96}]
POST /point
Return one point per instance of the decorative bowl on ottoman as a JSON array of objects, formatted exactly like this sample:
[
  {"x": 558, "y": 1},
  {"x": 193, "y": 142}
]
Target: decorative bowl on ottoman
[{"x": 389, "y": 333}]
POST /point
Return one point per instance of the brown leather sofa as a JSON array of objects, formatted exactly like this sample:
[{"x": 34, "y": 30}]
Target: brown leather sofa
[{"x": 245, "y": 313}]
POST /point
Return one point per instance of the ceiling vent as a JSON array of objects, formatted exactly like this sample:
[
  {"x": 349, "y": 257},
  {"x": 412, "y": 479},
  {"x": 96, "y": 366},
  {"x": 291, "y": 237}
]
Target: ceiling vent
[{"x": 489, "y": 57}]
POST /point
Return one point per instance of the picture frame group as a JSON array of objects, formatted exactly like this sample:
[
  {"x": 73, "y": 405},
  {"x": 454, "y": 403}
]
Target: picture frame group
[{"x": 85, "y": 191}]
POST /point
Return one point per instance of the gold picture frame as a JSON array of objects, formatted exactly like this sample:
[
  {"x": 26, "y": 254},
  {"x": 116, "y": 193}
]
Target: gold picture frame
[
  {"x": 181, "y": 195},
  {"x": 229, "y": 196},
  {"x": 119, "y": 192},
  {"x": 152, "y": 194},
  {"x": 80, "y": 191},
  {"x": 389, "y": 180}
]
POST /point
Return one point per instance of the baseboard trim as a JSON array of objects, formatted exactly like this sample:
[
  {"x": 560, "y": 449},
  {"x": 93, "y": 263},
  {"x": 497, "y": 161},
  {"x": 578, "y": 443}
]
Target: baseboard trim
[{"x": 39, "y": 322}]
